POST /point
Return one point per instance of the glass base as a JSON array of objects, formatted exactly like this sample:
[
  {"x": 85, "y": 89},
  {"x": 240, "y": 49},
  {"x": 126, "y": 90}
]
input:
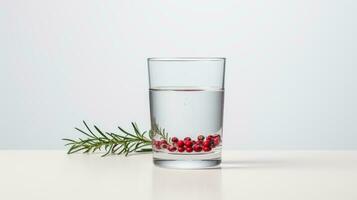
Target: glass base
[
  {"x": 187, "y": 164},
  {"x": 188, "y": 161}
]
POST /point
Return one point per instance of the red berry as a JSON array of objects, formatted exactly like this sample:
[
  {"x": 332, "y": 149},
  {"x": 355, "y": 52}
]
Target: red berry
[
  {"x": 164, "y": 146},
  {"x": 188, "y": 143},
  {"x": 187, "y": 139},
  {"x": 209, "y": 137},
  {"x": 157, "y": 144},
  {"x": 200, "y": 137},
  {"x": 197, "y": 148},
  {"x": 172, "y": 148},
  {"x": 181, "y": 149},
  {"x": 216, "y": 141},
  {"x": 200, "y": 142},
  {"x": 174, "y": 139},
  {"x": 180, "y": 143},
  {"x": 207, "y": 143},
  {"x": 206, "y": 149},
  {"x": 189, "y": 149}
]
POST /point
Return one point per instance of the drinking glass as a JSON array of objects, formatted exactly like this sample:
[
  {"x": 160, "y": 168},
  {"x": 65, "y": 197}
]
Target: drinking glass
[{"x": 186, "y": 110}]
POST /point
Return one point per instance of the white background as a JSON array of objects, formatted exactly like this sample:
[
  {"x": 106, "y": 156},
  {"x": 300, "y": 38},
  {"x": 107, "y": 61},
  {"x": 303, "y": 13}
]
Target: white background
[{"x": 290, "y": 79}]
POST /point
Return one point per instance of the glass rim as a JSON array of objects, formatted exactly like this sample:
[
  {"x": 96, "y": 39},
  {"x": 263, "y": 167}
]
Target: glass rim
[{"x": 186, "y": 59}]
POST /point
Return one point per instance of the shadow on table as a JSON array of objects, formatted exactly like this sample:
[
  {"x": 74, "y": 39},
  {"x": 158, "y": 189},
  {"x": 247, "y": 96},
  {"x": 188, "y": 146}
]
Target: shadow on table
[{"x": 251, "y": 164}]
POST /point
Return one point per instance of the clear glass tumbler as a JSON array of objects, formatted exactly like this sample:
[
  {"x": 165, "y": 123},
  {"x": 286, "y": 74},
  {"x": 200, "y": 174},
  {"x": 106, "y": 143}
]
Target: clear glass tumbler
[{"x": 186, "y": 110}]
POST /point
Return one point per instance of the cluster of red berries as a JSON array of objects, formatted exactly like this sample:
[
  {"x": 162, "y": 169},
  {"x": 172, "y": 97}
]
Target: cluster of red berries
[{"x": 188, "y": 144}]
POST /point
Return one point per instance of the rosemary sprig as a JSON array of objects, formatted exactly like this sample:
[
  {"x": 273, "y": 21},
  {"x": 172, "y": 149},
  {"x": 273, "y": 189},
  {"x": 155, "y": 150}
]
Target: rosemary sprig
[
  {"x": 112, "y": 143},
  {"x": 156, "y": 130}
]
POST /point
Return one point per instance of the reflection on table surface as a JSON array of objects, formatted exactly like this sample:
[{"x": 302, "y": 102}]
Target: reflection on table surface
[{"x": 186, "y": 184}]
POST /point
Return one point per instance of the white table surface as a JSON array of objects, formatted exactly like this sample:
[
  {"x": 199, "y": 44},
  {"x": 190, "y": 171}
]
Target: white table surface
[{"x": 244, "y": 175}]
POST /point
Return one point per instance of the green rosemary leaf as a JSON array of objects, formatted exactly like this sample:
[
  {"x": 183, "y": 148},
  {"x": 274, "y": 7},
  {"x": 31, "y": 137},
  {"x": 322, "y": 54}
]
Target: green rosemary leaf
[
  {"x": 126, "y": 132},
  {"x": 69, "y": 140},
  {"x": 89, "y": 129},
  {"x": 108, "y": 151},
  {"x": 77, "y": 149},
  {"x": 87, "y": 149},
  {"x": 83, "y": 132},
  {"x": 122, "y": 150},
  {"x": 143, "y": 145},
  {"x": 100, "y": 132},
  {"x": 143, "y": 134},
  {"x": 144, "y": 150},
  {"x": 118, "y": 148},
  {"x": 136, "y": 129}
]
